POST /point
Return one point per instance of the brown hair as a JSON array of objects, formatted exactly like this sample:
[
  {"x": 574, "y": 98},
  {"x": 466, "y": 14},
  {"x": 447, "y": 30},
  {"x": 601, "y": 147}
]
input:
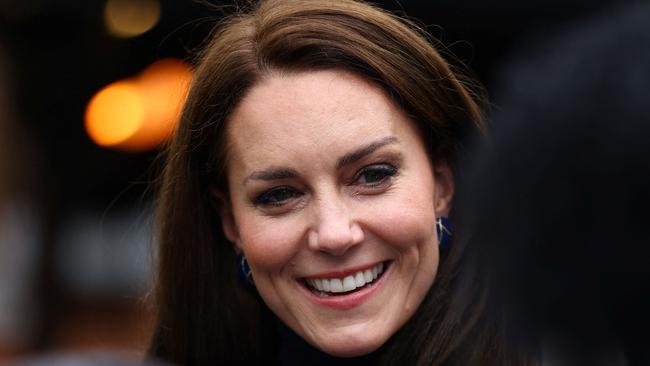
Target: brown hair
[{"x": 204, "y": 315}]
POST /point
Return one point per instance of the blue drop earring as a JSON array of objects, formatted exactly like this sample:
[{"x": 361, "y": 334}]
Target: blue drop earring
[
  {"x": 244, "y": 273},
  {"x": 443, "y": 229}
]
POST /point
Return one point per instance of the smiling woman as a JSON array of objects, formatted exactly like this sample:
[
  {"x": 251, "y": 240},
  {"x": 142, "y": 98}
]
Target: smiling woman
[
  {"x": 317, "y": 145},
  {"x": 329, "y": 182}
]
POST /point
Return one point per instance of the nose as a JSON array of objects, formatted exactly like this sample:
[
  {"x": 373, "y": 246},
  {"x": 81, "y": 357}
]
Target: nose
[{"x": 334, "y": 230}]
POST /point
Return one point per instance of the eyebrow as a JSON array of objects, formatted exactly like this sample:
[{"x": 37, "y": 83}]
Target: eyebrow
[
  {"x": 278, "y": 173},
  {"x": 363, "y": 151},
  {"x": 272, "y": 173}
]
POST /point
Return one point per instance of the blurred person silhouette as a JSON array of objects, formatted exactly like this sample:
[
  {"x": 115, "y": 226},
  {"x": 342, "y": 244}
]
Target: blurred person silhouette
[
  {"x": 20, "y": 238},
  {"x": 556, "y": 204}
]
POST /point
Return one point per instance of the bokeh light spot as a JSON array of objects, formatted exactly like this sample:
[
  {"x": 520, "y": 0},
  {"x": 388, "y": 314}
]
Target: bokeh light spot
[
  {"x": 130, "y": 18},
  {"x": 114, "y": 114},
  {"x": 139, "y": 113}
]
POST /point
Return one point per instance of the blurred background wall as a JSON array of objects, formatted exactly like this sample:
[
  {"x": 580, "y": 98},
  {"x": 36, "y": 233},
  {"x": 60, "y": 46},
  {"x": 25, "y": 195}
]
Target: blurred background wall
[{"x": 88, "y": 92}]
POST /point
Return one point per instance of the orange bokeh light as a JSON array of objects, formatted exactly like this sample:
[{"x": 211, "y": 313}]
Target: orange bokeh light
[
  {"x": 130, "y": 18},
  {"x": 140, "y": 113},
  {"x": 114, "y": 114}
]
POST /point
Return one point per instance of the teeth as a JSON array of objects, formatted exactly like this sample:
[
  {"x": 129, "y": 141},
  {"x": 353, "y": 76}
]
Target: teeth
[
  {"x": 322, "y": 286},
  {"x": 318, "y": 284},
  {"x": 359, "y": 280},
  {"x": 336, "y": 285},
  {"x": 326, "y": 285},
  {"x": 367, "y": 275},
  {"x": 349, "y": 284}
]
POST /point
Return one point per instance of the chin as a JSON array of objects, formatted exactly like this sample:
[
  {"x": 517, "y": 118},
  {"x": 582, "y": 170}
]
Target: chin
[{"x": 354, "y": 346}]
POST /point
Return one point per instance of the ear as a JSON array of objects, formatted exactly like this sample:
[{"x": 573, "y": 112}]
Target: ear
[
  {"x": 223, "y": 206},
  {"x": 443, "y": 181}
]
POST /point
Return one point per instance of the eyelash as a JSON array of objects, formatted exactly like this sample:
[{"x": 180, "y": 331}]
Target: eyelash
[
  {"x": 268, "y": 199},
  {"x": 386, "y": 172},
  {"x": 273, "y": 197}
]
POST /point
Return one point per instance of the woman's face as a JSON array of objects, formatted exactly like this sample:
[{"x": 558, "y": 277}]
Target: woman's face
[{"x": 333, "y": 201}]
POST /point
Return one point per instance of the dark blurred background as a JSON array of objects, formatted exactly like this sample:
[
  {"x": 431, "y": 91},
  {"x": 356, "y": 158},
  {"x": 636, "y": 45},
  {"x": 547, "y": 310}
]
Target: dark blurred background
[{"x": 75, "y": 217}]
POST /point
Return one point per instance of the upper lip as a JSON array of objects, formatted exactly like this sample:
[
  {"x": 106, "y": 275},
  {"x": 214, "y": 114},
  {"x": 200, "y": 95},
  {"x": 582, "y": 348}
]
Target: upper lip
[{"x": 343, "y": 273}]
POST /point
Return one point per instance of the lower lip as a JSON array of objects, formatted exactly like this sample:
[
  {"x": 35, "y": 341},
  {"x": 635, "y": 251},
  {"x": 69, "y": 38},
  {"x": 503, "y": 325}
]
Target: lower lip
[{"x": 351, "y": 300}]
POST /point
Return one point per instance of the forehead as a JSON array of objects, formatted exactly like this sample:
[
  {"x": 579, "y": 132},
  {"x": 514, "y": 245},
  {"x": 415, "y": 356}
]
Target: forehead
[{"x": 316, "y": 114}]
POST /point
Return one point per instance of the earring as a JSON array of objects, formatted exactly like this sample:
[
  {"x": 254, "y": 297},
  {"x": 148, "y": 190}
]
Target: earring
[
  {"x": 244, "y": 273},
  {"x": 443, "y": 229}
]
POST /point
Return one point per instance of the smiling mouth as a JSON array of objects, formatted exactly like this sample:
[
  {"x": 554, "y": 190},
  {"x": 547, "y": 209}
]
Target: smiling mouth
[{"x": 325, "y": 287}]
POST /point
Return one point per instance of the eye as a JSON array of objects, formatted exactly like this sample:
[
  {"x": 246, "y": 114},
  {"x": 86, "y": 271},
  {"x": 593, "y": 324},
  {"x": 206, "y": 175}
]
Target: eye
[
  {"x": 277, "y": 196},
  {"x": 375, "y": 175}
]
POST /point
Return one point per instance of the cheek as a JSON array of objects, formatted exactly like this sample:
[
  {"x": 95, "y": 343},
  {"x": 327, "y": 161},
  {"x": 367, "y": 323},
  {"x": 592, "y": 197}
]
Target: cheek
[
  {"x": 405, "y": 217},
  {"x": 406, "y": 227},
  {"x": 269, "y": 244}
]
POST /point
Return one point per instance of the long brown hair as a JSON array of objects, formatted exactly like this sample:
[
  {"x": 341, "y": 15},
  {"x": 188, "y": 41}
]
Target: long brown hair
[{"x": 204, "y": 315}]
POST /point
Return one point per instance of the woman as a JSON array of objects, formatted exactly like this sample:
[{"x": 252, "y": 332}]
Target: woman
[{"x": 317, "y": 143}]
